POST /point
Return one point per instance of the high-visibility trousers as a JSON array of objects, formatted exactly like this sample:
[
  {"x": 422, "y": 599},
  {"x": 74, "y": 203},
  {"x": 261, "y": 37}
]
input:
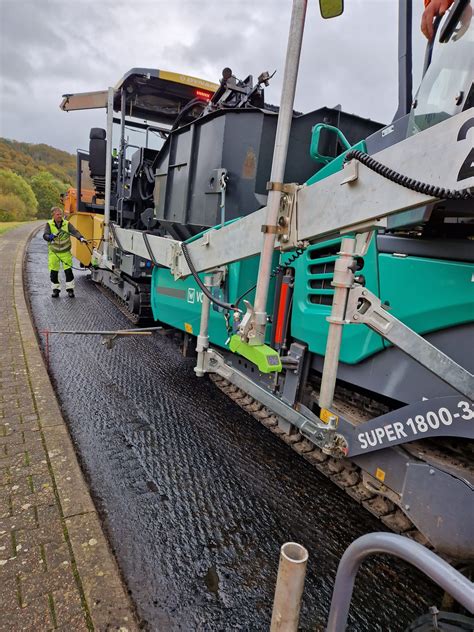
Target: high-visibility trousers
[{"x": 56, "y": 259}]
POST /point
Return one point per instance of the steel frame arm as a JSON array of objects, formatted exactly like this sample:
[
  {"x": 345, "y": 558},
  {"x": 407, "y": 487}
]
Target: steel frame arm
[
  {"x": 366, "y": 308},
  {"x": 337, "y": 205}
]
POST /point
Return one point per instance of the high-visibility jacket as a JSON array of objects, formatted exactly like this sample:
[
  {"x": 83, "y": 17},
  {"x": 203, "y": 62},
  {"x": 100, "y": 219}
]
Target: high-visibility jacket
[{"x": 62, "y": 238}]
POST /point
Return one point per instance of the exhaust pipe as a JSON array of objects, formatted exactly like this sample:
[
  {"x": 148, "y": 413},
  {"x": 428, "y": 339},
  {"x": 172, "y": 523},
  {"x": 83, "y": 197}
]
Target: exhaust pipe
[{"x": 289, "y": 588}]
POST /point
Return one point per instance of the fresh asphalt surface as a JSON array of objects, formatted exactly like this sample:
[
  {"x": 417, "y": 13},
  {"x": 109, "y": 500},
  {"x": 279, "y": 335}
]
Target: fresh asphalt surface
[{"x": 195, "y": 495}]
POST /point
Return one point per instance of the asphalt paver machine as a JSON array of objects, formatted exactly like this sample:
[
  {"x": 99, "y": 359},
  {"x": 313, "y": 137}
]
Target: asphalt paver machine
[{"x": 323, "y": 266}]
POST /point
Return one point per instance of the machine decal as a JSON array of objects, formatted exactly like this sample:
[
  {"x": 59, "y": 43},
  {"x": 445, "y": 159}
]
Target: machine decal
[
  {"x": 169, "y": 291},
  {"x": 194, "y": 296},
  {"x": 188, "y": 80},
  {"x": 467, "y": 167},
  {"x": 380, "y": 475},
  {"x": 446, "y": 416}
]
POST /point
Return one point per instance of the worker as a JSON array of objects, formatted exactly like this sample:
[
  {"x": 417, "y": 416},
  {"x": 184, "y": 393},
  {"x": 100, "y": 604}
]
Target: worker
[
  {"x": 433, "y": 8},
  {"x": 57, "y": 233}
]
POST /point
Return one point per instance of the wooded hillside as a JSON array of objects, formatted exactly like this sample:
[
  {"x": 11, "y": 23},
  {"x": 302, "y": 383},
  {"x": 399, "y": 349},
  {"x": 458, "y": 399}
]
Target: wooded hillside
[
  {"x": 27, "y": 160},
  {"x": 32, "y": 178}
]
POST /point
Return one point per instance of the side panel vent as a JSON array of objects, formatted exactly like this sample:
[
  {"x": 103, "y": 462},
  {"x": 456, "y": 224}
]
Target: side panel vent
[{"x": 320, "y": 260}]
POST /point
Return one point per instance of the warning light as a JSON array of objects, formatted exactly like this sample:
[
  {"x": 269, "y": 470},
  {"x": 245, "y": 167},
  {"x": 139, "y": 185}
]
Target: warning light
[{"x": 204, "y": 95}]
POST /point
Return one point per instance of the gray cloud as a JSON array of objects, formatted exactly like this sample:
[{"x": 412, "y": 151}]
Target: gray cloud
[{"x": 52, "y": 47}]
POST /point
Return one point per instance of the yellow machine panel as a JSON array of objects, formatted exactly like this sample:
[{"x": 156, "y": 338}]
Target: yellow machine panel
[
  {"x": 98, "y": 232},
  {"x": 84, "y": 222},
  {"x": 188, "y": 80}
]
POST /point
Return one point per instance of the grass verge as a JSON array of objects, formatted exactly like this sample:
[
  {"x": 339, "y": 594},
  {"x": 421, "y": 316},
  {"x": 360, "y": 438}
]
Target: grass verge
[{"x": 6, "y": 226}]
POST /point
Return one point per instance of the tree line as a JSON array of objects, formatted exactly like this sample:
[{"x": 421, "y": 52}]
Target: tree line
[{"x": 32, "y": 177}]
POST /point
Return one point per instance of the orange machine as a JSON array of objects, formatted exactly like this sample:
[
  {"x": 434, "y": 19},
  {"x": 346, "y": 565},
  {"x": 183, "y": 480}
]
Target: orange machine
[{"x": 69, "y": 199}]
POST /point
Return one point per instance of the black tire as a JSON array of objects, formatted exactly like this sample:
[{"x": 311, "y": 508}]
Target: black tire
[{"x": 447, "y": 622}]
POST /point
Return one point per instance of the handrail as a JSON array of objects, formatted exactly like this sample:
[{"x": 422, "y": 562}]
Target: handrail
[{"x": 439, "y": 571}]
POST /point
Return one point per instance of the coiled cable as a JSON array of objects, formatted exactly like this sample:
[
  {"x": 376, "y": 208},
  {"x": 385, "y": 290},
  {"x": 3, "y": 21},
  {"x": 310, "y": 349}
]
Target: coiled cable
[{"x": 409, "y": 183}]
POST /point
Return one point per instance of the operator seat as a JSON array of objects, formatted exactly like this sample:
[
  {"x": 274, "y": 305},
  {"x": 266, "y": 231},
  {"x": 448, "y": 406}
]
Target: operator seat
[{"x": 97, "y": 159}]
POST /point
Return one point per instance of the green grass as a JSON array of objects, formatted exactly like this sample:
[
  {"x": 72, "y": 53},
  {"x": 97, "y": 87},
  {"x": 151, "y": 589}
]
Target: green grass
[{"x": 5, "y": 226}]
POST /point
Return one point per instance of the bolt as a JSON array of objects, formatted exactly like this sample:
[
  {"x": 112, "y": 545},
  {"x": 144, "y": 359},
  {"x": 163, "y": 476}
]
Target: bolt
[
  {"x": 432, "y": 471},
  {"x": 212, "y": 361},
  {"x": 355, "y": 317},
  {"x": 285, "y": 238},
  {"x": 407, "y": 507}
]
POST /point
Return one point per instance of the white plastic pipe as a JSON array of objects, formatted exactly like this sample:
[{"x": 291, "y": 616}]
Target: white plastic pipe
[
  {"x": 203, "y": 337},
  {"x": 289, "y": 588}
]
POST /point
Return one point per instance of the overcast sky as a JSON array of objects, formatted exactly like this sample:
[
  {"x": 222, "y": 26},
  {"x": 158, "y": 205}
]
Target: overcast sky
[{"x": 52, "y": 47}]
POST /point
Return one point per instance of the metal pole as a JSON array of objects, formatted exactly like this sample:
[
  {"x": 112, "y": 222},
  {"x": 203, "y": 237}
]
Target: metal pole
[
  {"x": 285, "y": 115},
  {"x": 405, "y": 81},
  {"x": 289, "y": 588},
  {"x": 108, "y": 171},
  {"x": 439, "y": 571},
  {"x": 122, "y": 158},
  {"x": 203, "y": 338},
  {"x": 343, "y": 280},
  {"x": 123, "y": 105}
]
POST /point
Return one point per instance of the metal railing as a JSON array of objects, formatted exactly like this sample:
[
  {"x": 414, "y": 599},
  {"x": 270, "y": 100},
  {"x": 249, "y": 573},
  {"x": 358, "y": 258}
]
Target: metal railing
[
  {"x": 292, "y": 570},
  {"x": 439, "y": 571}
]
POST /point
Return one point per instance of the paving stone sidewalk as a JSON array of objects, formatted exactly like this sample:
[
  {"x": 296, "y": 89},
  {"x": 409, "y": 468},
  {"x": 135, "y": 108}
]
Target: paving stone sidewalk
[{"x": 56, "y": 569}]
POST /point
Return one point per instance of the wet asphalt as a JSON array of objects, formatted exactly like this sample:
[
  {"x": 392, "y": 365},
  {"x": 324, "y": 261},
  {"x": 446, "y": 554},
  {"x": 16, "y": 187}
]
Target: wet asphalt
[{"x": 197, "y": 497}]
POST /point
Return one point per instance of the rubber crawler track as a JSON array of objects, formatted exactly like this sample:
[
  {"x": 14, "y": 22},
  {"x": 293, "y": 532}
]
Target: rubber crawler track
[
  {"x": 122, "y": 306},
  {"x": 342, "y": 472}
]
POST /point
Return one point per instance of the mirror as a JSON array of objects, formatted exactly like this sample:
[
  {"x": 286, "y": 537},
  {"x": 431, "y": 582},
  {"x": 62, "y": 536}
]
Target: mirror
[{"x": 331, "y": 8}]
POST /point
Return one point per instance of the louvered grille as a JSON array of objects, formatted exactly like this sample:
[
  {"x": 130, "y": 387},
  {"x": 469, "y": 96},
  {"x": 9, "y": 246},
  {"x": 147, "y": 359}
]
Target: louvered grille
[{"x": 320, "y": 260}]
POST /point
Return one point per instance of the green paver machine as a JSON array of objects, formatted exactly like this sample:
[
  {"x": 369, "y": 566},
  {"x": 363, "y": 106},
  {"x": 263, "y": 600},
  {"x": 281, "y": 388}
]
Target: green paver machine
[{"x": 323, "y": 265}]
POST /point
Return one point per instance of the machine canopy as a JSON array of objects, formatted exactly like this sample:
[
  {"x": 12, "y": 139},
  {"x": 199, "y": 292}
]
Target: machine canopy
[{"x": 151, "y": 94}]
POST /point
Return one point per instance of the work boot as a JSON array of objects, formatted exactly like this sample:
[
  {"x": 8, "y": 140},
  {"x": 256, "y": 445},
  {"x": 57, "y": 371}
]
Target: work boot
[
  {"x": 70, "y": 293},
  {"x": 55, "y": 294}
]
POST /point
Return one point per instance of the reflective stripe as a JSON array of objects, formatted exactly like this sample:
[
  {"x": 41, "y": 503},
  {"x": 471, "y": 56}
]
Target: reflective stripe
[{"x": 62, "y": 241}]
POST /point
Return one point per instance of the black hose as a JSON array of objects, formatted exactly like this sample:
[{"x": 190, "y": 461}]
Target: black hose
[
  {"x": 189, "y": 106},
  {"x": 86, "y": 243},
  {"x": 409, "y": 183},
  {"x": 279, "y": 268},
  {"x": 145, "y": 196},
  {"x": 72, "y": 267},
  {"x": 205, "y": 290},
  {"x": 242, "y": 296}
]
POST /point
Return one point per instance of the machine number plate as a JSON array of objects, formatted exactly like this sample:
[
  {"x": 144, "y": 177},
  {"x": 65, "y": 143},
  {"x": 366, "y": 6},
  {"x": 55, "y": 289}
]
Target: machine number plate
[{"x": 437, "y": 421}]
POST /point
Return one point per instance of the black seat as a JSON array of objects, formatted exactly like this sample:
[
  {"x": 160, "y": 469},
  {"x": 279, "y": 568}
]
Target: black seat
[{"x": 97, "y": 158}]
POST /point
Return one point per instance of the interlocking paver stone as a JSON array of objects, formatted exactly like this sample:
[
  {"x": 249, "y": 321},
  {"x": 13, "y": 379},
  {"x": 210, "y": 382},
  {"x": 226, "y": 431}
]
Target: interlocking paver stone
[{"x": 48, "y": 581}]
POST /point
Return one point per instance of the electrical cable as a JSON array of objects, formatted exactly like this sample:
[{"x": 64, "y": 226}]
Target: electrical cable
[
  {"x": 189, "y": 106},
  {"x": 85, "y": 242},
  {"x": 143, "y": 195},
  {"x": 392, "y": 175},
  {"x": 206, "y": 291},
  {"x": 279, "y": 268},
  {"x": 409, "y": 183}
]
